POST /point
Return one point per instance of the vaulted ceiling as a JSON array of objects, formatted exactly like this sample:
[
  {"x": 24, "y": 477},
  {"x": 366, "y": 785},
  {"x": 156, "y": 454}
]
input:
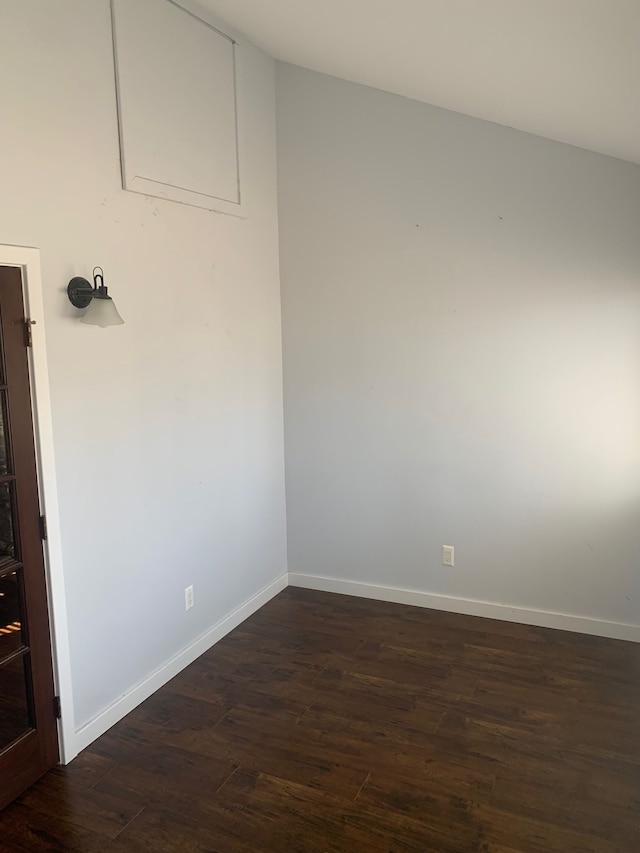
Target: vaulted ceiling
[{"x": 565, "y": 69}]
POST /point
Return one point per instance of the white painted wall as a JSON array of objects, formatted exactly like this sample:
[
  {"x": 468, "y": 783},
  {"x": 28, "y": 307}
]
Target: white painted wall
[
  {"x": 461, "y": 312},
  {"x": 167, "y": 430}
]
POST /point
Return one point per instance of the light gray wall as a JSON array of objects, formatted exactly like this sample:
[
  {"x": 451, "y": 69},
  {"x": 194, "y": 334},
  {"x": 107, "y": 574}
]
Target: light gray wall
[
  {"x": 167, "y": 430},
  {"x": 461, "y": 311}
]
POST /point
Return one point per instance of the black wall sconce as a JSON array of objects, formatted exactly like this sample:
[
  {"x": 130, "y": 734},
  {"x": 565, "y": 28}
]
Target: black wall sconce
[{"x": 101, "y": 309}]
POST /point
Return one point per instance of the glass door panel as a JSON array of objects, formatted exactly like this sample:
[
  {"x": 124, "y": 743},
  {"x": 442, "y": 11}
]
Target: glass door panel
[
  {"x": 15, "y": 710},
  {"x": 4, "y": 453},
  {"x": 10, "y": 615},
  {"x": 7, "y": 541}
]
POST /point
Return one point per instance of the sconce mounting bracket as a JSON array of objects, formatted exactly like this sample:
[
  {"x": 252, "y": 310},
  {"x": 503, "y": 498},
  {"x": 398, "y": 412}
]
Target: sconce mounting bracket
[{"x": 79, "y": 291}]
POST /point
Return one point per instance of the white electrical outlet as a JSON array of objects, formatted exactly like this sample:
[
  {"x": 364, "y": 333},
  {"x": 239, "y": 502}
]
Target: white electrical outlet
[
  {"x": 188, "y": 597},
  {"x": 447, "y": 555}
]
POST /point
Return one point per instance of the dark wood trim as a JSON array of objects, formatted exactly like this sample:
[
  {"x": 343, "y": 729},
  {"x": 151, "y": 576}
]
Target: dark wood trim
[{"x": 38, "y": 751}]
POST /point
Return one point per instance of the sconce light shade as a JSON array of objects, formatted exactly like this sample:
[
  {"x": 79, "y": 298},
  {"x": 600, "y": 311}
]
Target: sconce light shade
[
  {"x": 101, "y": 309},
  {"x": 102, "y": 312}
]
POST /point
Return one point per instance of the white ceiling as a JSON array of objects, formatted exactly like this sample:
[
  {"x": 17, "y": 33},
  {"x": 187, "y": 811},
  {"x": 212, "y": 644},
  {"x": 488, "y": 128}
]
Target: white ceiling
[{"x": 565, "y": 69}]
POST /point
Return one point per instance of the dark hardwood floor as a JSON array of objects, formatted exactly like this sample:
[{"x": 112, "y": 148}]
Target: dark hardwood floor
[{"x": 327, "y": 724}]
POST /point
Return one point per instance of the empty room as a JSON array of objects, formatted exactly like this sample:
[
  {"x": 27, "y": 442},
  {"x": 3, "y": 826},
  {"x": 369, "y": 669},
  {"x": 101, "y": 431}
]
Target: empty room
[{"x": 320, "y": 426}]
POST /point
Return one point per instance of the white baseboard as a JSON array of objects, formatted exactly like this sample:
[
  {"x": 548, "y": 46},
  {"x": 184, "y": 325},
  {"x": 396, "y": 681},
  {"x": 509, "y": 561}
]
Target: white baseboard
[
  {"x": 470, "y": 607},
  {"x": 541, "y": 618},
  {"x": 121, "y": 707}
]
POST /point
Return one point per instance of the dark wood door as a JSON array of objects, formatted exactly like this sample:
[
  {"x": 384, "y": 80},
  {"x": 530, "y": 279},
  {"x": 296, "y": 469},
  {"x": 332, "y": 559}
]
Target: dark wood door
[{"x": 28, "y": 731}]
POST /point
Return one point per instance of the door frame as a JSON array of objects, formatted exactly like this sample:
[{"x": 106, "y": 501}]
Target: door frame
[{"x": 28, "y": 259}]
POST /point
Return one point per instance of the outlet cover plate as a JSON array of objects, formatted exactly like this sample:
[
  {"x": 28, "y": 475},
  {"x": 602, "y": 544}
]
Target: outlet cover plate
[{"x": 447, "y": 555}]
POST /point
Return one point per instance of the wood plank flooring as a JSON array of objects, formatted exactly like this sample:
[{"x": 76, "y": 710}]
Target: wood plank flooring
[{"x": 328, "y": 724}]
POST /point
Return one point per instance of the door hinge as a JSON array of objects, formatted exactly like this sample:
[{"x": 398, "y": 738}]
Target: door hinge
[
  {"x": 57, "y": 710},
  {"x": 28, "y": 334},
  {"x": 43, "y": 527}
]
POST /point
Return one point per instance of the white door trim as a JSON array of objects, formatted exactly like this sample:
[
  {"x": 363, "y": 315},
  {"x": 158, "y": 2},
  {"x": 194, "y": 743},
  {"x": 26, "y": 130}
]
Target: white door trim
[{"x": 28, "y": 260}]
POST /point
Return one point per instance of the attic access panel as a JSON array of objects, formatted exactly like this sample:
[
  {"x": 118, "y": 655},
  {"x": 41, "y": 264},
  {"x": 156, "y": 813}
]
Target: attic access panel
[{"x": 177, "y": 105}]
